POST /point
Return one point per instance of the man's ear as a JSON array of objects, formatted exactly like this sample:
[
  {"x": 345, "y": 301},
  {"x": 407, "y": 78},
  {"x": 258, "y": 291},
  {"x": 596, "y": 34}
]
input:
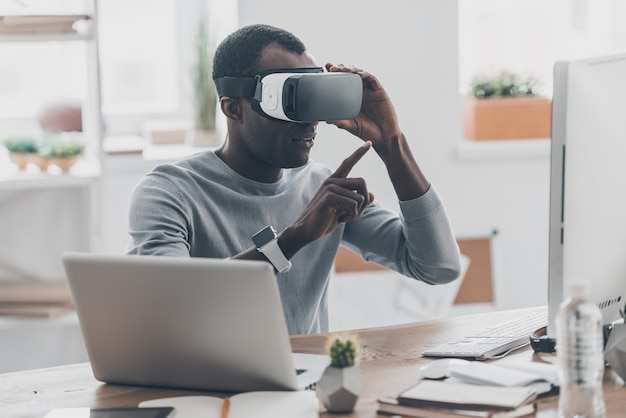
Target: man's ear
[{"x": 231, "y": 107}]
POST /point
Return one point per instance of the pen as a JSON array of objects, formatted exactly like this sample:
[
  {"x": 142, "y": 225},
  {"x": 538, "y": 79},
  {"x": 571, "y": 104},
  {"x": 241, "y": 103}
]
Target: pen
[{"x": 225, "y": 408}]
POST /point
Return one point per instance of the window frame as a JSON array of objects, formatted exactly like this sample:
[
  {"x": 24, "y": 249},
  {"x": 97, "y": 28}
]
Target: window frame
[{"x": 129, "y": 121}]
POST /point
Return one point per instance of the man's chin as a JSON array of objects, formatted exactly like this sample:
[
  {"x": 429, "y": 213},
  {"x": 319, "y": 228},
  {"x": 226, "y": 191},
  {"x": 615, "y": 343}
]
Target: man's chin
[
  {"x": 296, "y": 165},
  {"x": 300, "y": 161}
]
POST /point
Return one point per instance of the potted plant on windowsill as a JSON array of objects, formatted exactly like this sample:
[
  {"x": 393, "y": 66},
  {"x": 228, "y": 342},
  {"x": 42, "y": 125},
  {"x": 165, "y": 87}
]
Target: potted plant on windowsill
[
  {"x": 204, "y": 133},
  {"x": 22, "y": 150},
  {"x": 62, "y": 150},
  {"x": 342, "y": 381},
  {"x": 506, "y": 106}
]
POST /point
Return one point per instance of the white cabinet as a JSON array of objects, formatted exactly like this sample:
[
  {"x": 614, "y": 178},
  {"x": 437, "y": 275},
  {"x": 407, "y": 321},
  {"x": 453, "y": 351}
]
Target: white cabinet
[
  {"x": 43, "y": 214},
  {"x": 32, "y": 343}
]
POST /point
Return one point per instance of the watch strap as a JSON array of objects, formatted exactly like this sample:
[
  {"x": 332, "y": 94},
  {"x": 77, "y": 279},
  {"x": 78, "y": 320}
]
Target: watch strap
[{"x": 275, "y": 255}]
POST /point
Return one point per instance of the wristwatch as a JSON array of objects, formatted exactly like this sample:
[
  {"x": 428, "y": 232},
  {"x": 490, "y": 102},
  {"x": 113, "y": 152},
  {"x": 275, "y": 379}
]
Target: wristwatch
[{"x": 266, "y": 241}]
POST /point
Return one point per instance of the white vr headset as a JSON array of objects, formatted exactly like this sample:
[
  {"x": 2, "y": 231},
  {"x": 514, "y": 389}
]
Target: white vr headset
[{"x": 298, "y": 94}]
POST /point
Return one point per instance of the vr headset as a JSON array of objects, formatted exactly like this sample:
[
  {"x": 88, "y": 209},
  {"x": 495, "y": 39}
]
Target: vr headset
[{"x": 298, "y": 94}]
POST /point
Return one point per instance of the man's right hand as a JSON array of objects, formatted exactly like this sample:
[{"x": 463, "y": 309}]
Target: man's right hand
[{"x": 340, "y": 199}]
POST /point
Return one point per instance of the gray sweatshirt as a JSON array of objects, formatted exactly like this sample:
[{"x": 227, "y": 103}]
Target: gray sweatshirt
[{"x": 200, "y": 207}]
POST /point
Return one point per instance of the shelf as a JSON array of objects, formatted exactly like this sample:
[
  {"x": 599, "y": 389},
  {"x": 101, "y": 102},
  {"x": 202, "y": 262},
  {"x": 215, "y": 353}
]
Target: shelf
[
  {"x": 48, "y": 212},
  {"x": 83, "y": 174},
  {"x": 469, "y": 150},
  {"x": 147, "y": 157},
  {"x": 45, "y": 27},
  {"x": 44, "y": 181},
  {"x": 43, "y": 37},
  {"x": 57, "y": 27}
]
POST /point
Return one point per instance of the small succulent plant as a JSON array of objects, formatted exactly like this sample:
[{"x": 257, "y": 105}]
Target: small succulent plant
[
  {"x": 343, "y": 350},
  {"x": 21, "y": 144},
  {"x": 503, "y": 84},
  {"x": 61, "y": 146}
]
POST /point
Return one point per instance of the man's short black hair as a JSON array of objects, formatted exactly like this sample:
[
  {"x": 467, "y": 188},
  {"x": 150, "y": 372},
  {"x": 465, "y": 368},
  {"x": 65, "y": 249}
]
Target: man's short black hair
[{"x": 238, "y": 55}]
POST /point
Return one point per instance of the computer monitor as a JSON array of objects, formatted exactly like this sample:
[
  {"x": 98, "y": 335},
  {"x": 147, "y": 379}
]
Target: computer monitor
[{"x": 588, "y": 183}]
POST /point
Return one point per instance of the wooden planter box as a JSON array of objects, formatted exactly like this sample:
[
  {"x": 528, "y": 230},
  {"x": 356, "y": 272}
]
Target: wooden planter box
[{"x": 507, "y": 118}]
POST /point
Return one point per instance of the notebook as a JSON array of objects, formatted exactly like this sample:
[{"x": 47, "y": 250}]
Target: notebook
[{"x": 191, "y": 323}]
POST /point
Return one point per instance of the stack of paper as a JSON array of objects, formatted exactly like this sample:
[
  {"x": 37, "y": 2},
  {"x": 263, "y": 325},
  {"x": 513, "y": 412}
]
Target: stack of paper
[
  {"x": 435, "y": 399},
  {"x": 542, "y": 377}
]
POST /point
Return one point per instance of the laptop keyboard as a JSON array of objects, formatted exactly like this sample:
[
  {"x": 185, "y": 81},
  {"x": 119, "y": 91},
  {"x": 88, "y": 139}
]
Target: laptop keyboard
[{"x": 492, "y": 342}]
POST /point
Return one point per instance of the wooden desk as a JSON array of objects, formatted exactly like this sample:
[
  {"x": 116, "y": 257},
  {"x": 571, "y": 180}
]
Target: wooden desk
[{"x": 390, "y": 362}]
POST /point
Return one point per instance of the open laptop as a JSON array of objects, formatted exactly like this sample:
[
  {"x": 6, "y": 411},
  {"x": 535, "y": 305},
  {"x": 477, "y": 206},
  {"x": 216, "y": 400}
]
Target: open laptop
[{"x": 191, "y": 323}]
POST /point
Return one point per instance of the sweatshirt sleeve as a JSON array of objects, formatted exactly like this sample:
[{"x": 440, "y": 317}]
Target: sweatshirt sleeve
[
  {"x": 158, "y": 219},
  {"x": 418, "y": 242}
]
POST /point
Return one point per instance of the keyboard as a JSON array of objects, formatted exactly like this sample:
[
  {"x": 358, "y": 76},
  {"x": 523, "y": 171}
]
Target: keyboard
[{"x": 493, "y": 342}]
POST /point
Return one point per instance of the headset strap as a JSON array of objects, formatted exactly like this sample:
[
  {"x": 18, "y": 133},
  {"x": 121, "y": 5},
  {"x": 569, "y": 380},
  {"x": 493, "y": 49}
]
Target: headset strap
[
  {"x": 236, "y": 86},
  {"x": 249, "y": 87}
]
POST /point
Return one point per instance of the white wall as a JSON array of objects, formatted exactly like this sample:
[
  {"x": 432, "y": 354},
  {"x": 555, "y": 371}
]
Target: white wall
[{"x": 412, "y": 47}]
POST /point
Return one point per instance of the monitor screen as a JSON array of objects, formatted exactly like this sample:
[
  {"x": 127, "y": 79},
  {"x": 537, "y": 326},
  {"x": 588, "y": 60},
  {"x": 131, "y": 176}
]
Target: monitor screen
[{"x": 588, "y": 183}]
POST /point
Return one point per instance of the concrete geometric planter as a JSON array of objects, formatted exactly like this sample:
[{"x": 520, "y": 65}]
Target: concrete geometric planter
[
  {"x": 339, "y": 388},
  {"x": 615, "y": 351},
  {"x": 21, "y": 159},
  {"x": 64, "y": 163}
]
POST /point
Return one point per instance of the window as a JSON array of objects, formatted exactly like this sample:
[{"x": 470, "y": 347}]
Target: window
[
  {"x": 146, "y": 54},
  {"x": 36, "y": 73},
  {"x": 143, "y": 62},
  {"x": 528, "y": 36},
  {"x": 139, "y": 57}
]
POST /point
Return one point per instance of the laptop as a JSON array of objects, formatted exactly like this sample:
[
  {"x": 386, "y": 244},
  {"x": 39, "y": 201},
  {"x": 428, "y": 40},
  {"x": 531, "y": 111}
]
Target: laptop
[{"x": 192, "y": 323}]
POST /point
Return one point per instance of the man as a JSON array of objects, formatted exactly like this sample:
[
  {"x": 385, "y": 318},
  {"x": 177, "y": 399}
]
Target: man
[{"x": 211, "y": 204}]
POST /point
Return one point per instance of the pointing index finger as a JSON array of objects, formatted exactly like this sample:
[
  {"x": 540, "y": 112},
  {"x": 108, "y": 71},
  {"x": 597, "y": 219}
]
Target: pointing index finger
[{"x": 344, "y": 169}]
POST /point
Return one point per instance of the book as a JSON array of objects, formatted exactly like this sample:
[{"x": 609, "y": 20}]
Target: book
[
  {"x": 31, "y": 291},
  {"x": 543, "y": 378},
  {"x": 35, "y": 309},
  {"x": 391, "y": 406},
  {"x": 428, "y": 393},
  {"x": 275, "y": 404},
  {"x": 45, "y": 298}
]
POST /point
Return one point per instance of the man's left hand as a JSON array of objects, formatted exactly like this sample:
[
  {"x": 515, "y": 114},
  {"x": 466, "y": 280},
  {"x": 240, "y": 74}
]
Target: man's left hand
[{"x": 377, "y": 120}]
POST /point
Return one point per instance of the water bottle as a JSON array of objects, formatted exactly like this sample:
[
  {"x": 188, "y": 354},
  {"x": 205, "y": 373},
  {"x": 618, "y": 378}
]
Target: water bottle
[{"x": 580, "y": 355}]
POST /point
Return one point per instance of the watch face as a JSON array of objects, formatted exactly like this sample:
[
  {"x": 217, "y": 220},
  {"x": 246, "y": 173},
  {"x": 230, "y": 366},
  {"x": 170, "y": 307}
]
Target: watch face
[{"x": 264, "y": 236}]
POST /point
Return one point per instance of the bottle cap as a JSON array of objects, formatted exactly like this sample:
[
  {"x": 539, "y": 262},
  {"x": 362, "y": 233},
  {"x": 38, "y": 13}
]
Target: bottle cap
[{"x": 578, "y": 289}]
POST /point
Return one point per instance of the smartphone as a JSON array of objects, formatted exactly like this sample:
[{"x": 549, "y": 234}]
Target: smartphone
[{"x": 131, "y": 412}]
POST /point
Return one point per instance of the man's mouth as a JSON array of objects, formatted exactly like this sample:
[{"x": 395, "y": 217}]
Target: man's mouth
[
  {"x": 312, "y": 139},
  {"x": 306, "y": 142},
  {"x": 307, "y": 138}
]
